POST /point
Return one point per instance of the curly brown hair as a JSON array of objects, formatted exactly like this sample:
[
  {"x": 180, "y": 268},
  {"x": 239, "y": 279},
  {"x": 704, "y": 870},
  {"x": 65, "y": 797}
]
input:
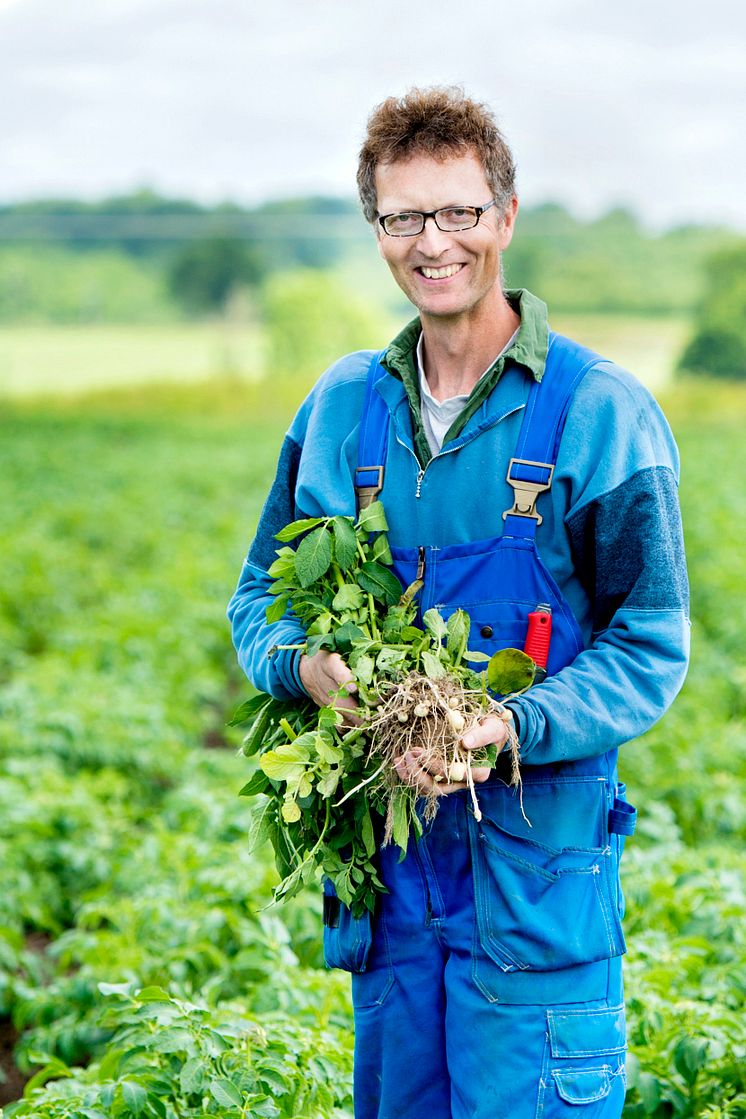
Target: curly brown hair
[{"x": 437, "y": 121}]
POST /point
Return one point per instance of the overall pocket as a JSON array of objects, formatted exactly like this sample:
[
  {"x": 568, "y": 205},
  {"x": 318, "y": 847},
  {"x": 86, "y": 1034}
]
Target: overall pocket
[
  {"x": 545, "y": 893},
  {"x": 359, "y": 945},
  {"x": 347, "y": 939},
  {"x": 583, "y": 1070}
]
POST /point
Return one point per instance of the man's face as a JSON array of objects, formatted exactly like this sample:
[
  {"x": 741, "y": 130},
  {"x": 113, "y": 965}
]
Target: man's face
[{"x": 443, "y": 274}]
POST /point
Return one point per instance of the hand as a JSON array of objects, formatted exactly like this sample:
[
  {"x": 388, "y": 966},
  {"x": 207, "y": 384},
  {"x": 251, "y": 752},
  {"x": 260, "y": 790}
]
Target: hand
[
  {"x": 322, "y": 675},
  {"x": 487, "y": 732}
]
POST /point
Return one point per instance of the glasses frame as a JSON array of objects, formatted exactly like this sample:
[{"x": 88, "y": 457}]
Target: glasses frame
[{"x": 425, "y": 214}]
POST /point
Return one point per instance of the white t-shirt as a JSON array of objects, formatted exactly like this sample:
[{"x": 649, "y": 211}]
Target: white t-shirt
[{"x": 438, "y": 415}]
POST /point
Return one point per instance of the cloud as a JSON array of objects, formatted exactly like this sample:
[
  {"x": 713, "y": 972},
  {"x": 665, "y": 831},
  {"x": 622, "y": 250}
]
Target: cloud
[{"x": 602, "y": 104}]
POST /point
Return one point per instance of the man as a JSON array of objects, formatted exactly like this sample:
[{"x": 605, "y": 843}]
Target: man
[{"x": 489, "y": 983}]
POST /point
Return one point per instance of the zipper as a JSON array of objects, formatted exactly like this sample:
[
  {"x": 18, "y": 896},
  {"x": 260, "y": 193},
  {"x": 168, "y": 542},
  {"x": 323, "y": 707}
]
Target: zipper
[
  {"x": 422, "y": 470},
  {"x": 420, "y": 563}
]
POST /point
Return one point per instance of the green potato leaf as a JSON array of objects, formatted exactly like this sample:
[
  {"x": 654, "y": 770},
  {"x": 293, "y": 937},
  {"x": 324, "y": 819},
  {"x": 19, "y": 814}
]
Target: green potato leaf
[
  {"x": 260, "y": 825},
  {"x": 373, "y": 518},
  {"x": 277, "y": 609},
  {"x": 134, "y": 1096},
  {"x": 433, "y": 665},
  {"x": 289, "y": 532},
  {"x": 363, "y": 667},
  {"x": 377, "y": 580},
  {"x": 345, "y": 542},
  {"x": 458, "y": 627},
  {"x": 381, "y": 550},
  {"x": 314, "y": 556},
  {"x": 249, "y": 710},
  {"x": 284, "y": 566},
  {"x": 327, "y": 785},
  {"x": 348, "y": 597},
  {"x": 400, "y": 831},
  {"x": 435, "y": 624},
  {"x": 286, "y": 762},
  {"x": 391, "y": 660},
  {"x": 320, "y": 641},
  {"x": 510, "y": 670},
  {"x": 259, "y": 783},
  {"x": 226, "y": 1093},
  {"x": 346, "y": 635}
]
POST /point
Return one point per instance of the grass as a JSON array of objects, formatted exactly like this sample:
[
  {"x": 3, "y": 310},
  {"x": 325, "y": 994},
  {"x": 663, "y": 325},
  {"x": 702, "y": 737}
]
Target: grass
[
  {"x": 70, "y": 360},
  {"x": 48, "y": 359}
]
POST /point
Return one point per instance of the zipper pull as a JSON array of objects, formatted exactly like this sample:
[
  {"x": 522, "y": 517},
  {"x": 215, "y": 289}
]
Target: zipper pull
[
  {"x": 420, "y": 476},
  {"x": 420, "y": 563}
]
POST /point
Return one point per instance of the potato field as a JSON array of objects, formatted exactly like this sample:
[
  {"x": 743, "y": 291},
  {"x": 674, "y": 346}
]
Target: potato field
[{"x": 143, "y": 971}]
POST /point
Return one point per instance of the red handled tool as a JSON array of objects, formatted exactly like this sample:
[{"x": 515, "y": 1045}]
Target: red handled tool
[{"x": 538, "y": 638}]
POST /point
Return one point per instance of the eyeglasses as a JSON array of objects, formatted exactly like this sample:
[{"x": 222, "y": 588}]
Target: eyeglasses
[{"x": 449, "y": 219}]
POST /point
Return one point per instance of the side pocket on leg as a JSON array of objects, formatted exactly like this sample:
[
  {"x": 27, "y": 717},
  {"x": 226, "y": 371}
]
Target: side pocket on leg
[
  {"x": 347, "y": 939},
  {"x": 359, "y": 945},
  {"x": 583, "y": 1072}
]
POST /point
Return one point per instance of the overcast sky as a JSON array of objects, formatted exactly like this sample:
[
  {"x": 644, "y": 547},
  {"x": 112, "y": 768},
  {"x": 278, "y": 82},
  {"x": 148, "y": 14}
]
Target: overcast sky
[{"x": 604, "y": 103}]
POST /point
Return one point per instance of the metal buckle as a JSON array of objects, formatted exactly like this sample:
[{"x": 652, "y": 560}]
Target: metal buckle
[
  {"x": 366, "y": 495},
  {"x": 526, "y": 493}
]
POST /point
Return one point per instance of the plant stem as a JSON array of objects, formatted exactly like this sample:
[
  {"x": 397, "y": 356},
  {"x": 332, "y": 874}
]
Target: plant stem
[
  {"x": 337, "y": 571},
  {"x": 372, "y": 617}
]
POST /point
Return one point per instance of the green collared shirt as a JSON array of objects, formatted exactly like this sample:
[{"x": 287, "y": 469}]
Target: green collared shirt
[{"x": 529, "y": 349}]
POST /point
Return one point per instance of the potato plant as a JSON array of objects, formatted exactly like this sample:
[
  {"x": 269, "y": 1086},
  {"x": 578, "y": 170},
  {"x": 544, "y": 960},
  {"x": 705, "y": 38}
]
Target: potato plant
[
  {"x": 123, "y": 852},
  {"x": 331, "y": 792}
]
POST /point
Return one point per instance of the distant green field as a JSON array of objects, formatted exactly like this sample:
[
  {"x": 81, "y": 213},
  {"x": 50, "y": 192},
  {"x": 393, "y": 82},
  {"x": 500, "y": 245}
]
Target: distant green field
[
  {"x": 648, "y": 346},
  {"x": 45, "y": 359},
  {"x": 72, "y": 359}
]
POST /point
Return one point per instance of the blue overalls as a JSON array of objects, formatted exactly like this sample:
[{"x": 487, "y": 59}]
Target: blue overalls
[{"x": 488, "y": 985}]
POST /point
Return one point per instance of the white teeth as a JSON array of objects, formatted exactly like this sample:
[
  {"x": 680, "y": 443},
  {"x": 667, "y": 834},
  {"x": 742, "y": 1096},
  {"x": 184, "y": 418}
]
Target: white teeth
[{"x": 440, "y": 273}]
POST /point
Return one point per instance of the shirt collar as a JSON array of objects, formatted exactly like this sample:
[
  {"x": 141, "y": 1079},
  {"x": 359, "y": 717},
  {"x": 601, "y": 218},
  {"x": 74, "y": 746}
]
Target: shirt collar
[{"x": 528, "y": 349}]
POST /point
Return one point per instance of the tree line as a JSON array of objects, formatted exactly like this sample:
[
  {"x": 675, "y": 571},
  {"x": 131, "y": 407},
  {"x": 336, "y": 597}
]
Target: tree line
[{"x": 143, "y": 256}]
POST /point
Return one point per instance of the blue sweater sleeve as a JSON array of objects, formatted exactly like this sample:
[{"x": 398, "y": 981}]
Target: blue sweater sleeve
[
  {"x": 332, "y": 406},
  {"x": 276, "y": 671},
  {"x": 617, "y": 473}
]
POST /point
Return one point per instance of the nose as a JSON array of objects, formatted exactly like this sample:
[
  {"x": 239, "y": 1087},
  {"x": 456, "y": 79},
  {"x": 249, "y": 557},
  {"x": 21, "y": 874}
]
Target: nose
[{"x": 432, "y": 241}]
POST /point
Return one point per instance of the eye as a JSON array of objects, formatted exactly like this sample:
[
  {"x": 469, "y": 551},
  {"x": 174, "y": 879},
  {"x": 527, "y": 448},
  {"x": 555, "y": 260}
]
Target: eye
[
  {"x": 404, "y": 222},
  {"x": 456, "y": 217}
]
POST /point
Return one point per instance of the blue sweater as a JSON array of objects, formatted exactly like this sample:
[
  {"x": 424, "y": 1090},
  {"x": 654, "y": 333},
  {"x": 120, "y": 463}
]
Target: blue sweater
[{"x": 611, "y": 538}]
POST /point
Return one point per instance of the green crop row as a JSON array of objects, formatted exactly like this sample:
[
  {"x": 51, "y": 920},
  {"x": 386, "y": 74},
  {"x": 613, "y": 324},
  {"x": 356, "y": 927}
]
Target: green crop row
[{"x": 142, "y": 971}]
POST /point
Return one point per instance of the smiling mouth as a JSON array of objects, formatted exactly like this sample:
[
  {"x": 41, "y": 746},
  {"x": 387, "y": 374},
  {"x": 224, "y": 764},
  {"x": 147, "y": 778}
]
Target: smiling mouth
[{"x": 440, "y": 273}]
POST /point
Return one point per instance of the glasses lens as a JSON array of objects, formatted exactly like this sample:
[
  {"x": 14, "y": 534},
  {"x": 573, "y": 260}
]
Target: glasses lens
[
  {"x": 403, "y": 225},
  {"x": 456, "y": 217}
]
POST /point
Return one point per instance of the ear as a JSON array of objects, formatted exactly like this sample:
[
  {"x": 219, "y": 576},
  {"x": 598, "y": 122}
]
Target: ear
[
  {"x": 507, "y": 224},
  {"x": 379, "y": 235}
]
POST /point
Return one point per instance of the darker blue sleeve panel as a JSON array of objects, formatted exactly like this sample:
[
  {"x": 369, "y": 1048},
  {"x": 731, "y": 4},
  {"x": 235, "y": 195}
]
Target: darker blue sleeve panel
[
  {"x": 279, "y": 508},
  {"x": 628, "y": 547},
  {"x": 270, "y": 669}
]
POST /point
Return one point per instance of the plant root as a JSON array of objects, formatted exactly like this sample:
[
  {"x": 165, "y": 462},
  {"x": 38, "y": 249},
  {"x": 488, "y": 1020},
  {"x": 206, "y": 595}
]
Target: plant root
[{"x": 429, "y": 718}]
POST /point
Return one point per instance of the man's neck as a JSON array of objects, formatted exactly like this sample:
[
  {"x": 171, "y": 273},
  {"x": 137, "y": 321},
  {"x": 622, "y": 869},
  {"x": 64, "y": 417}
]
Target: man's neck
[{"x": 458, "y": 351}]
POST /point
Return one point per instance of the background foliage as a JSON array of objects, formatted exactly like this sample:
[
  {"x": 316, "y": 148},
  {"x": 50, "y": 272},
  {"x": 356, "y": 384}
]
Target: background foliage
[{"x": 140, "y": 970}]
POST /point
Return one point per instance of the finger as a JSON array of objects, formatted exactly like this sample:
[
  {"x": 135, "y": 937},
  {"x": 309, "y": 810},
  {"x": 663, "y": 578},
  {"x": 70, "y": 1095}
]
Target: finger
[
  {"x": 489, "y": 732},
  {"x": 340, "y": 673},
  {"x": 412, "y": 772}
]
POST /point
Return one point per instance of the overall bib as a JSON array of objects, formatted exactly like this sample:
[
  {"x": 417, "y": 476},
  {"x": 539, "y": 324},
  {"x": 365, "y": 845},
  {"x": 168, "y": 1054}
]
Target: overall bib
[{"x": 488, "y": 984}]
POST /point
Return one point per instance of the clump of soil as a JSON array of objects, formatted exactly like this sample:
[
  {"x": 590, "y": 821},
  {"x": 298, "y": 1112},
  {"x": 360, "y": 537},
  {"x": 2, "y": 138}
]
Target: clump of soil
[{"x": 12, "y": 1080}]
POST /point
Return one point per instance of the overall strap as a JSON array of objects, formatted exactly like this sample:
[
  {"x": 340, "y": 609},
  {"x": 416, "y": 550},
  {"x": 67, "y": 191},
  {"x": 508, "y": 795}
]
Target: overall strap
[
  {"x": 531, "y": 469},
  {"x": 374, "y": 438}
]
